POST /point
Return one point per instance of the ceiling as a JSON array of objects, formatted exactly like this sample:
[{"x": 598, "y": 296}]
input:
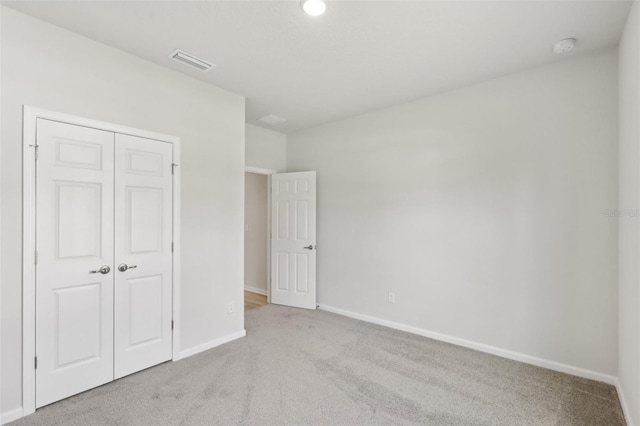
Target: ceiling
[{"x": 359, "y": 56}]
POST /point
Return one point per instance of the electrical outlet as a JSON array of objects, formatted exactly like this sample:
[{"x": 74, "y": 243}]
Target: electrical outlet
[
  {"x": 230, "y": 308},
  {"x": 392, "y": 297},
  {"x": 246, "y": 228}
]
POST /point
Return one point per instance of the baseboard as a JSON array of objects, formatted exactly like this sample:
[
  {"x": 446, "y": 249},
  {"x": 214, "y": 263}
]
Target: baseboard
[
  {"x": 11, "y": 416},
  {"x": 551, "y": 365},
  {"x": 255, "y": 290},
  {"x": 623, "y": 403},
  {"x": 212, "y": 344}
]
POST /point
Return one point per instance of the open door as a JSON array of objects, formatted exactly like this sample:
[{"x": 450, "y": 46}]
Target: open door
[{"x": 293, "y": 239}]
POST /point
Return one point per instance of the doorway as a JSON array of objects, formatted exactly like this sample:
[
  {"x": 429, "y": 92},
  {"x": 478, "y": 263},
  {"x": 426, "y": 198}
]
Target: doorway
[
  {"x": 286, "y": 203},
  {"x": 256, "y": 238}
]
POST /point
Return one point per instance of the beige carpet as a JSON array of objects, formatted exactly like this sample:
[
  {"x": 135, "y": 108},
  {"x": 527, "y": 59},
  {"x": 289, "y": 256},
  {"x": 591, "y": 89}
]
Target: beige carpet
[{"x": 300, "y": 367}]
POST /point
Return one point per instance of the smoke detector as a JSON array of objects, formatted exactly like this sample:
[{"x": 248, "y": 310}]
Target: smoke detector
[
  {"x": 563, "y": 46},
  {"x": 191, "y": 60},
  {"x": 272, "y": 120}
]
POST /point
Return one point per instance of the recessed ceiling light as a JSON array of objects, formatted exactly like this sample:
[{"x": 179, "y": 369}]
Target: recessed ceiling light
[
  {"x": 272, "y": 120},
  {"x": 191, "y": 60},
  {"x": 563, "y": 46},
  {"x": 314, "y": 7}
]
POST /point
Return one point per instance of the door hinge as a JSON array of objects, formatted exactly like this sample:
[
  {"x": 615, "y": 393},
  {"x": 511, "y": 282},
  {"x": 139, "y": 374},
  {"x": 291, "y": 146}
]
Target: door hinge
[
  {"x": 172, "y": 324},
  {"x": 35, "y": 148},
  {"x": 35, "y": 362},
  {"x": 35, "y": 257},
  {"x": 173, "y": 167},
  {"x": 171, "y": 246}
]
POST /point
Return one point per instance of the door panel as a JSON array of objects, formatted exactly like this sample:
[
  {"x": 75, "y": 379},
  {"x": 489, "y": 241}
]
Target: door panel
[
  {"x": 143, "y": 225},
  {"x": 74, "y": 227},
  {"x": 293, "y": 239},
  {"x": 79, "y": 219}
]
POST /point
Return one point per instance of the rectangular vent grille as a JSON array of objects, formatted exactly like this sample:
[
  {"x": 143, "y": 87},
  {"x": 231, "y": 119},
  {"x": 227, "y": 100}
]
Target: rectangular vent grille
[
  {"x": 272, "y": 120},
  {"x": 191, "y": 60}
]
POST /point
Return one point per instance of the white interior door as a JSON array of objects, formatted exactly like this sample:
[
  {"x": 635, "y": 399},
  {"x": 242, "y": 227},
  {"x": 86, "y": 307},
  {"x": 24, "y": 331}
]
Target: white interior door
[
  {"x": 74, "y": 227},
  {"x": 143, "y": 259},
  {"x": 293, "y": 239}
]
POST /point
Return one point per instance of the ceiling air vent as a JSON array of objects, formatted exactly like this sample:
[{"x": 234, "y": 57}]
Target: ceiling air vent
[
  {"x": 191, "y": 60},
  {"x": 272, "y": 120}
]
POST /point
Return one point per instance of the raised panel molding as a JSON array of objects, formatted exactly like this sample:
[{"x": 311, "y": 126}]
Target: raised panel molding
[
  {"x": 302, "y": 273},
  {"x": 72, "y": 153},
  {"x": 302, "y": 186},
  {"x": 144, "y": 220},
  {"x": 79, "y": 211},
  {"x": 144, "y": 163},
  {"x": 282, "y": 233},
  {"x": 283, "y": 271},
  {"x": 145, "y": 307},
  {"x": 283, "y": 187},
  {"x": 302, "y": 219},
  {"x": 77, "y": 341}
]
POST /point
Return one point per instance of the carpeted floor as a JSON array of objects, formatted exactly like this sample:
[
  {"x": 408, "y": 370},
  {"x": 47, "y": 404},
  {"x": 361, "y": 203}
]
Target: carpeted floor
[{"x": 300, "y": 367}]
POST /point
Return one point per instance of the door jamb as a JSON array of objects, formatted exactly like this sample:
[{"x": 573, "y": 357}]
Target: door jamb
[
  {"x": 30, "y": 117},
  {"x": 268, "y": 173}
]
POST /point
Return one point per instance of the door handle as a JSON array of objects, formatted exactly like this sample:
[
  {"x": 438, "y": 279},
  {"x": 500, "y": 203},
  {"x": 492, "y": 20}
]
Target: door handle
[
  {"x": 103, "y": 270},
  {"x": 123, "y": 267},
  {"x": 310, "y": 247}
]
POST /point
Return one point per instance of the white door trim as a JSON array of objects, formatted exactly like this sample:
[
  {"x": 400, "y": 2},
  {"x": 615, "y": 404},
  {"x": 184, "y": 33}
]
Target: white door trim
[
  {"x": 259, "y": 171},
  {"x": 30, "y": 116}
]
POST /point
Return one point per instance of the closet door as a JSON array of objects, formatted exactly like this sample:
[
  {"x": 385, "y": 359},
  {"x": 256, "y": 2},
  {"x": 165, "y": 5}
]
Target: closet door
[
  {"x": 143, "y": 258},
  {"x": 74, "y": 270}
]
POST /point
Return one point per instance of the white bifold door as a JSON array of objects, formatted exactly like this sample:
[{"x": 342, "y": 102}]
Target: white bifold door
[
  {"x": 293, "y": 239},
  {"x": 104, "y": 261}
]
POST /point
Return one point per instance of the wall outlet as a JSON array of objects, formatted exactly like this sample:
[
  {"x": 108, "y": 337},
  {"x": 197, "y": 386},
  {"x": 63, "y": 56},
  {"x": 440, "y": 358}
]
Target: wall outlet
[
  {"x": 392, "y": 297},
  {"x": 230, "y": 308},
  {"x": 246, "y": 228}
]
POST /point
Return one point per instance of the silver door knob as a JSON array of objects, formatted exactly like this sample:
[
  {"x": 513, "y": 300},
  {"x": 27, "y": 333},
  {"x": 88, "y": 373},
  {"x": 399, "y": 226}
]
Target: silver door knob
[
  {"x": 309, "y": 247},
  {"x": 123, "y": 267},
  {"x": 103, "y": 270}
]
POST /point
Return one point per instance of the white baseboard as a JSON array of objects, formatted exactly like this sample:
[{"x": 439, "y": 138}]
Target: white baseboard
[
  {"x": 11, "y": 416},
  {"x": 212, "y": 344},
  {"x": 255, "y": 290},
  {"x": 551, "y": 365},
  {"x": 623, "y": 403}
]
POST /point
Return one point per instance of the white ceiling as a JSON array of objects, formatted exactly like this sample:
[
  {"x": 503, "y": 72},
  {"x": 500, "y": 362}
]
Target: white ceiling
[{"x": 359, "y": 56}]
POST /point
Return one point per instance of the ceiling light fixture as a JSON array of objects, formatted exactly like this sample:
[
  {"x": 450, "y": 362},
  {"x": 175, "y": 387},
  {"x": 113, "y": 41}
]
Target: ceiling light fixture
[
  {"x": 563, "y": 46},
  {"x": 314, "y": 7}
]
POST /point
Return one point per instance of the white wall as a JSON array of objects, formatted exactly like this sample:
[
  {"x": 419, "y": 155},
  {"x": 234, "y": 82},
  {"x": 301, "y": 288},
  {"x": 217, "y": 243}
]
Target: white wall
[
  {"x": 629, "y": 231},
  {"x": 265, "y": 149},
  {"x": 256, "y": 231},
  {"x": 482, "y": 209},
  {"x": 47, "y": 67}
]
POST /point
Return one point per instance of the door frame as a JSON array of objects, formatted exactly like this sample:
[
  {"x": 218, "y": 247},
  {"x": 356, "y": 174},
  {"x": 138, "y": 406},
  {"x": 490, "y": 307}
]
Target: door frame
[
  {"x": 268, "y": 173},
  {"x": 30, "y": 117}
]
